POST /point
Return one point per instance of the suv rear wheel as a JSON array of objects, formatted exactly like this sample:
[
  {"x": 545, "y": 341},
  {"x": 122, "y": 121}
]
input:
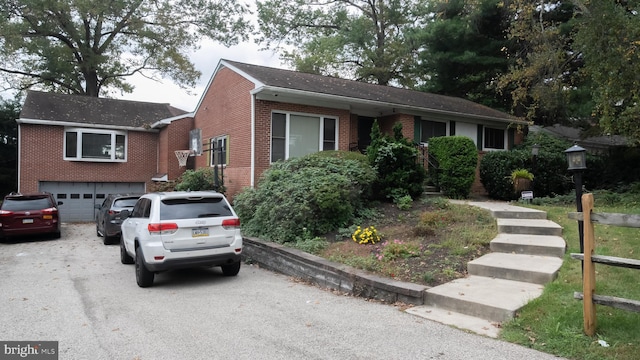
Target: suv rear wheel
[
  {"x": 144, "y": 277},
  {"x": 231, "y": 270}
]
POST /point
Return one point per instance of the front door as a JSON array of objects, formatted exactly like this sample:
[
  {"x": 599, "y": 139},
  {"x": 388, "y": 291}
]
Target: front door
[{"x": 364, "y": 132}]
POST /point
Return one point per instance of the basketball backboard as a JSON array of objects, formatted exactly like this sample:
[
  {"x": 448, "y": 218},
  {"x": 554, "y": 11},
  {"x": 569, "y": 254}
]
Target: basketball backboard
[{"x": 195, "y": 141}]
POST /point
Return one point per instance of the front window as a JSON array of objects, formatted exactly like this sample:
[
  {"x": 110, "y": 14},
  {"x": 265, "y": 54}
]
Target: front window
[
  {"x": 429, "y": 129},
  {"x": 296, "y": 135},
  {"x": 94, "y": 145},
  {"x": 494, "y": 138},
  {"x": 219, "y": 150}
]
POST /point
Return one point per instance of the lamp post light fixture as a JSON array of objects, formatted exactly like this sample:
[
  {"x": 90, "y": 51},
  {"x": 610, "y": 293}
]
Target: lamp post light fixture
[
  {"x": 535, "y": 149},
  {"x": 576, "y": 161}
]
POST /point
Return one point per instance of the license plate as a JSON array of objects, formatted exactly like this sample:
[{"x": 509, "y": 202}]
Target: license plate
[
  {"x": 199, "y": 232},
  {"x": 27, "y": 221}
]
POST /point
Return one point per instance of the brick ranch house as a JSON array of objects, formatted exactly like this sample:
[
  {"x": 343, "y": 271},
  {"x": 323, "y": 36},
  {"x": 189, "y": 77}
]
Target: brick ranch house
[{"x": 253, "y": 115}]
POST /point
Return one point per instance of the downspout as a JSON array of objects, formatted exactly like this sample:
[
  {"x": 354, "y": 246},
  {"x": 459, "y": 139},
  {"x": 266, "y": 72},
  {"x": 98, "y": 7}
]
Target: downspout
[
  {"x": 253, "y": 139},
  {"x": 18, "y": 157}
]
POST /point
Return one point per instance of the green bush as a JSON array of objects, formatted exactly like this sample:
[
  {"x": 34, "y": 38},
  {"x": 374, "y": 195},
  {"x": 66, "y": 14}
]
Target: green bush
[
  {"x": 311, "y": 195},
  {"x": 202, "y": 179},
  {"x": 394, "y": 160},
  {"x": 457, "y": 159}
]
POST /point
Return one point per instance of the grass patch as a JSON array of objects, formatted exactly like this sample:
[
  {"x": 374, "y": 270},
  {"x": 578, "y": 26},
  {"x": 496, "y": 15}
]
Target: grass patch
[{"x": 553, "y": 323}]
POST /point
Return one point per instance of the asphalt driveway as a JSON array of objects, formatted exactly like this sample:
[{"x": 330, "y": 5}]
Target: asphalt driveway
[{"x": 75, "y": 291}]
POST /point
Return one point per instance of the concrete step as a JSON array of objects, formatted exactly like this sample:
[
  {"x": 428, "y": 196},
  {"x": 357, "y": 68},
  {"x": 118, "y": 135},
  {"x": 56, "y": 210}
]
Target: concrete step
[
  {"x": 529, "y": 226},
  {"x": 544, "y": 245},
  {"x": 461, "y": 321},
  {"x": 502, "y": 210},
  {"x": 487, "y": 298},
  {"x": 519, "y": 267}
]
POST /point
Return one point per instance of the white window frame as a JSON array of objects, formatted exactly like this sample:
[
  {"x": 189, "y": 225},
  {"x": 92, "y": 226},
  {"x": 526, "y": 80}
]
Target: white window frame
[
  {"x": 214, "y": 140},
  {"x": 79, "y": 135},
  {"x": 287, "y": 132}
]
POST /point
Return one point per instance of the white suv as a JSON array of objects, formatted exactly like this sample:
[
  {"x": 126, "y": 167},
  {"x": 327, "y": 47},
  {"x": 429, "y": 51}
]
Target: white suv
[{"x": 180, "y": 229}]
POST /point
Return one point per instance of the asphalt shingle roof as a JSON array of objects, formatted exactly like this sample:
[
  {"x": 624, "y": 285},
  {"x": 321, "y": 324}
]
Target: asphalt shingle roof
[
  {"x": 92, "y": 110},
  {"x": 359, "y": 90}
]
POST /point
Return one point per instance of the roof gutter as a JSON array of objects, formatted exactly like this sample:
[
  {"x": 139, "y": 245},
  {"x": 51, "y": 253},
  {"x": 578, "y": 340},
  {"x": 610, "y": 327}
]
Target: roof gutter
[
  {"x": 330, "y": 97},
  {"x": 164, "y": 122},
  {"x": 84, "y": 125}
]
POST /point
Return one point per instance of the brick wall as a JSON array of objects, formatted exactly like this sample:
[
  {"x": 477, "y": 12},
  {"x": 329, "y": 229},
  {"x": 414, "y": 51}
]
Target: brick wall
[
  {"x": 263, "y": 127},
  {"x": 176, "y": 136},
  {"x": 41, "y": 159}
]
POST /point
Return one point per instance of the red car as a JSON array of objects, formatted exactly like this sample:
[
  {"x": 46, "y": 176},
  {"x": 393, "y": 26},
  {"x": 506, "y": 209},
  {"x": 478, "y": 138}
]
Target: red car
[{"x": 29, "y": 214}]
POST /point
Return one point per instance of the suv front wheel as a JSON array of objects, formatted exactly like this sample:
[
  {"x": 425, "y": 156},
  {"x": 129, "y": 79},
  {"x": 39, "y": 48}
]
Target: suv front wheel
[
  {"x": 125, "y": 258},
  {"x": 144, "y": 277}
]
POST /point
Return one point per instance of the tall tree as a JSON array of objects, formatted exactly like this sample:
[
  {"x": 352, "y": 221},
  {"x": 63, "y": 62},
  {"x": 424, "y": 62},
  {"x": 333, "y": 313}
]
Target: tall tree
[
  {"x": 87, "y": 46},
  {"x": 463, "y": 53},
  {"x": 543, "y": 78},
  {"x": 367, "y": 40},
  {"x": 9, "y": 112},
  {"x": 608, "y": 37}
]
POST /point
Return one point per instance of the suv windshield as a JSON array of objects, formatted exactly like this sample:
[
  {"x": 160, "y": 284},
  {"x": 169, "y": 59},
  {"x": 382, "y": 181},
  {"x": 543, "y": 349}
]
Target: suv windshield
[
  {"x": 22, "y": 204},
  {"x": 193, "y": 208}
]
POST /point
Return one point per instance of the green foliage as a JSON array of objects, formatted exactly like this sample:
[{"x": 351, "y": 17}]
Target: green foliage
[
  {"x": 312, "y": 246},
  {"x": 521, "y": 174},
  {"x": 543, "y": 78},
  {"x": 9, "y": 112},
  {"x": 457, "y": 159},
  {"x": 464, "y": 56},
  {"x": 404, "y": 202},
  {"x": 607, "y": 37},
  {"x": 394, "y": 160},
  {"x": 397, "y": 249},
  {"x": 311, "y": 195},
  {"x": 549, "y": 169},
  {"x": 88, "y": 46},
  {"x": 201, "y": 179},
  {"x": 324, "y": 38}
]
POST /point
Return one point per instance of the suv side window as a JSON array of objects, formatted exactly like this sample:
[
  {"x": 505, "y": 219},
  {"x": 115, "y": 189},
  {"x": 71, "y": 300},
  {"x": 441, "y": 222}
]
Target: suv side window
[{"x": 142, "y": 209}]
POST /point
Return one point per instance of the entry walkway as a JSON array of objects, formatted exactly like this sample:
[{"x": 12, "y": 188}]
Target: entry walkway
[{"x": 526, "y": 254}]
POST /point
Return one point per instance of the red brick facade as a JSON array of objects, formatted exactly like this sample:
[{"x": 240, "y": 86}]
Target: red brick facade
[
  {"x": 174, "y": 136},
  {"x": 42, "y": 159}
]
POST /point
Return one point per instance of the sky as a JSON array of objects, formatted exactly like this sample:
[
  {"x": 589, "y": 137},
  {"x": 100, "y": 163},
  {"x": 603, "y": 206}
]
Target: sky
[{"x": 205, "y": 60}]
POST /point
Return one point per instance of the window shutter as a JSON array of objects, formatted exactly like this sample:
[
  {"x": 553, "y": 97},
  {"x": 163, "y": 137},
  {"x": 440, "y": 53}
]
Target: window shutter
[{"x": 209, "y": 153}]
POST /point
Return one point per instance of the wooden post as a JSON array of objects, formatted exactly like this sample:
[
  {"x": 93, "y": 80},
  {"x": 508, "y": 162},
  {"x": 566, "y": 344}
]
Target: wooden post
[{"x": 589, "y": 271}]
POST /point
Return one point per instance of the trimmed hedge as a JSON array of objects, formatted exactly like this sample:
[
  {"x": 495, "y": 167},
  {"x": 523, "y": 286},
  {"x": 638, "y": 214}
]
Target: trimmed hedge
[{"x": 457, "y": 159}]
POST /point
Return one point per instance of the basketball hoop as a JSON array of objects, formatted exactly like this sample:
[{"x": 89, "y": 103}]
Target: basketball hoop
[{"x": 182, "y": 156}]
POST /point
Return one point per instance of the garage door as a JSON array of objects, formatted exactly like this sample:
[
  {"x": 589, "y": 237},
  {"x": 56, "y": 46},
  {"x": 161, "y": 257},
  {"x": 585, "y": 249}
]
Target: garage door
[{"x": 78, "y": 198}]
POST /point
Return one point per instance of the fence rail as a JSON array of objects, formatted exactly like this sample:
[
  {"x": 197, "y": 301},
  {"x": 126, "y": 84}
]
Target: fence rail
[{"x": 589, "y": 258}]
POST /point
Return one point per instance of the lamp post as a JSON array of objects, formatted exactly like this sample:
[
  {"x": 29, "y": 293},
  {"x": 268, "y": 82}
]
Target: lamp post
[
  {"x": 576, "y": 160},
  {"x": 535, "y": 149}
]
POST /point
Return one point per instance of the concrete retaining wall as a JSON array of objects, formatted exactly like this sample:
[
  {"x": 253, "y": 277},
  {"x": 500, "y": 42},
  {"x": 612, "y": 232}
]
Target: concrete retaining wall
[{"x": 330, "y": 275}]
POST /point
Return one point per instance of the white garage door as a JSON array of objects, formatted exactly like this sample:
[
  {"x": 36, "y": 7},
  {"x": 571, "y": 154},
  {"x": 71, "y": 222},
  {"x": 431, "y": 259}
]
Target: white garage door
[{"x": 78, "y": 198}]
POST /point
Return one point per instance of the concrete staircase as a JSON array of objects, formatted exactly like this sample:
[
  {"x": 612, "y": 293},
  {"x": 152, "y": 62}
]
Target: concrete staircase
[{"x": 526, "y": 254}]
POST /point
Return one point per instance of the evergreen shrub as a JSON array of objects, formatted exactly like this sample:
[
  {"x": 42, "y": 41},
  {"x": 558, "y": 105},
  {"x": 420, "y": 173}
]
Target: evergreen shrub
[
  {"x": 304, "y": 197},
  {"x": 457, "y": 159},
  {"x": 394, "y": 160}
]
